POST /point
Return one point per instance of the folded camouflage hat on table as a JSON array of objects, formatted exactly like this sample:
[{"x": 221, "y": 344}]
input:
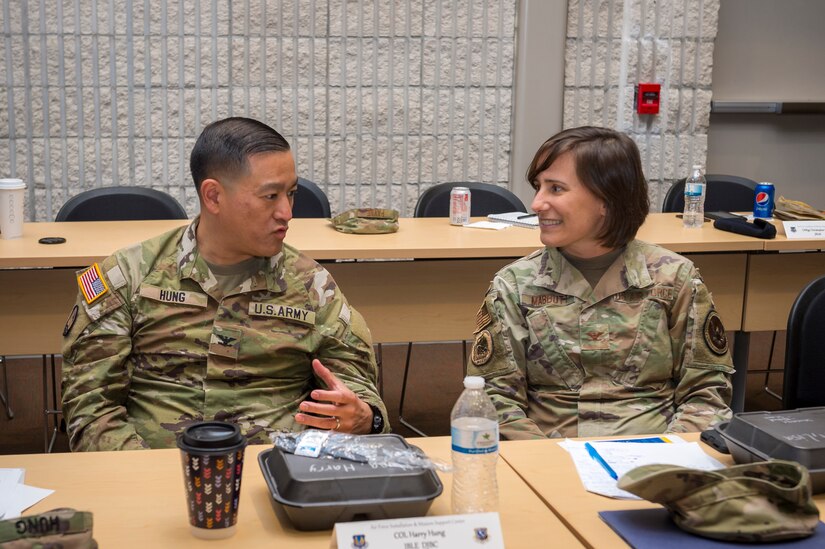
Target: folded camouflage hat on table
[
  {"x": 64, "y": 528},
  {"x": 756, "y": 502},
  {"x": 366, "y": 221}
]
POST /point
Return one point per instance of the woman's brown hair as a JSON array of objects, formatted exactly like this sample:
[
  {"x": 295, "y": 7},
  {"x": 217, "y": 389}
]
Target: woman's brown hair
[{"x": 608, "y": 164}]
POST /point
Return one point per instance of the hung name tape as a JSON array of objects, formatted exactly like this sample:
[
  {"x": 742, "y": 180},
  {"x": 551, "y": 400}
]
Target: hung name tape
[{"x": 440, "y": 532}]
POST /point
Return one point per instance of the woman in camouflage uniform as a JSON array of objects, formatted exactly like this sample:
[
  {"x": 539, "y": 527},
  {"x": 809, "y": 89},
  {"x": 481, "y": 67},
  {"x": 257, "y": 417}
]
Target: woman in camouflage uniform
[{"x": 599, "y": 333}]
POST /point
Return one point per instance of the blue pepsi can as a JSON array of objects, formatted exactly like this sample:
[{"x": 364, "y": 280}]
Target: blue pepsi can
[{"x": 763, "y": 200}]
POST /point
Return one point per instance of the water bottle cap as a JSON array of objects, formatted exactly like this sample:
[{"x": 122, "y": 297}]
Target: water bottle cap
[
  {"x": 473, "y": 382},
  {"x": 697, "y": 166}
]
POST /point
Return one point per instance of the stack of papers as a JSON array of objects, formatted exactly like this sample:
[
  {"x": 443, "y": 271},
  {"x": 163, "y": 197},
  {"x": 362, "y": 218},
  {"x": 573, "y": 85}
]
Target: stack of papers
[
  {"x": 16, "y": 497},
  {"x": 601, "y": 463}
]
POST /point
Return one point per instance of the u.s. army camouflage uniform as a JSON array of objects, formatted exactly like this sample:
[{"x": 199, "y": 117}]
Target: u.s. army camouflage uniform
[
  {"x": 643, "y": 352},
  {"x": 162, "y": 348}
]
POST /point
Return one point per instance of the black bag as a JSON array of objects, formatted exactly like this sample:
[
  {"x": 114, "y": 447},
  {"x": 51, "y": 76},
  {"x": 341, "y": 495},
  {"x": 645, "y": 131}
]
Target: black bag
[{"x": 759, "y": 228}]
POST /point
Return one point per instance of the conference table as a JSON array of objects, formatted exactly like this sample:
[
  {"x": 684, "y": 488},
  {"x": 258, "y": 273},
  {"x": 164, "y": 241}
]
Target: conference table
[
  {"x": 423, "y": 283},
  {"x": 138, "y": 500},
  {"x": 550, "y": 471}
]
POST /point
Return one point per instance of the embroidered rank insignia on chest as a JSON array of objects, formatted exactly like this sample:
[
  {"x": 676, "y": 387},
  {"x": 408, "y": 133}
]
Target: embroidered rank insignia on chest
[
  {"x": 92, "y": 285},
  {"x": 285, "y": 312},
  {"x": 715, "y": 336}
]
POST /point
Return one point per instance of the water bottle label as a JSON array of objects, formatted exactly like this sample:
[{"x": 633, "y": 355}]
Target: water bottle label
[
  {"x": 693, "y": 189},
  {"x": 475, "y": 441}
]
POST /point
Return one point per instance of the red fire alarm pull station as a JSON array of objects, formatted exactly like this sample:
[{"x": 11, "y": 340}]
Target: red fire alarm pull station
[{"x": 647, "y": 98}]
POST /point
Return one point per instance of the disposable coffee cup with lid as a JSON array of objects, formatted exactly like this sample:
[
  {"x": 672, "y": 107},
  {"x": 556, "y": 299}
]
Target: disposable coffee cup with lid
[
  {"x": 12, "y": 199},
  {"x": 212, "y": 454}
]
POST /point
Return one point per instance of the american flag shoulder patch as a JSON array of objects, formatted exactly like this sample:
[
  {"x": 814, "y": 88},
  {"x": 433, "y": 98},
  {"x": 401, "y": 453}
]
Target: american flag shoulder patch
[{"x": 92, "y": 284}]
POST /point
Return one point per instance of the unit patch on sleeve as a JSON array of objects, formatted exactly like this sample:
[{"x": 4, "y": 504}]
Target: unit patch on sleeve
[
  {"x": 70, "y": 321},
  {"x": 482, "y": 348},
  {"x": 715, "y": 335},
  {"x": 92, "y": 285}
]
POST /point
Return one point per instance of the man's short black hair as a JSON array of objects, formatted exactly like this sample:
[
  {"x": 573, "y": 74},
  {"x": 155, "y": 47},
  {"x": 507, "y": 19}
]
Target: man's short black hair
[
  {"x": 608, "y": 164},
  {"x": 224, "y": 147}
]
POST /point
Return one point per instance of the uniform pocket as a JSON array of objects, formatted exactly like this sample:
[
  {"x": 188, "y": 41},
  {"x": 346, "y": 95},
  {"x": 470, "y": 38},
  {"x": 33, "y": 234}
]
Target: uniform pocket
[
  {"x": 548, "y": 365},
  {"x": 649, "y": 363}
]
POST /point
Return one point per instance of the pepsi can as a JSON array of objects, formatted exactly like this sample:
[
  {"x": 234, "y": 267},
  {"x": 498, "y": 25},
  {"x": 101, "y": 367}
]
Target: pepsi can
[{"x": 763, "y": 200}]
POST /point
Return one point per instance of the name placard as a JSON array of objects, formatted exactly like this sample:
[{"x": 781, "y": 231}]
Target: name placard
[
  {"x": 442, "y": 532},
  {"x": 798, "y": 230}
]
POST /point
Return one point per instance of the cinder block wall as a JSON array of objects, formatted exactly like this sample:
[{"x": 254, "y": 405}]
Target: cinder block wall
[
  {"x": 614, "y": 44},
  {"x": 379, "y": 100}
]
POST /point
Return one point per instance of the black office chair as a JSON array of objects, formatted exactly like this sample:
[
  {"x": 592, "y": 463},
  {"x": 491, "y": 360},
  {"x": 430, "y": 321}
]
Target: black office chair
[
  {"x": 120, "y": 204},
  {"x": 435, "y": 202},
  {"x": 310, "y": 201},
  {"x": 728, "y": 193},
  {"x": 804, "y": 379},
  {"x": 485, "y": 199}
]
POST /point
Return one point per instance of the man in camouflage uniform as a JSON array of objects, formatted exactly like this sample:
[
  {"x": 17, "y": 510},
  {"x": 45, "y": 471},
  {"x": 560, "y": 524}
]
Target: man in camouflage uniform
[
  {"x": 219, "y": 320},
  {"x": 637, "y": 348}
]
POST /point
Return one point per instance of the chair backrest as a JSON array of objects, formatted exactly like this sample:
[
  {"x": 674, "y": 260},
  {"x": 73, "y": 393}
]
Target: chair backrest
[
  {"x": 120, "y": 204},
  {"x": 727, "y": 193},
  {"x": 485, "y": 199},
  {"x": 804, "y": 377},
  {"x": 310, "y": 200}
]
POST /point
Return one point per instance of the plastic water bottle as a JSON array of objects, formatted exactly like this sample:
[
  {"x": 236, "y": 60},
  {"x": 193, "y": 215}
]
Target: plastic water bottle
[
  {"x": 695, "y": 191},
  {"x": 474, "y": 427}
]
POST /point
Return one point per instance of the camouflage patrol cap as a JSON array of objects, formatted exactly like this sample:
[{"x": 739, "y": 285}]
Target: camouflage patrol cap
[
  {"x": 64, "y": 528},
  {"x": 756, "y": 502},
  {"x": 366, "y": 221}
]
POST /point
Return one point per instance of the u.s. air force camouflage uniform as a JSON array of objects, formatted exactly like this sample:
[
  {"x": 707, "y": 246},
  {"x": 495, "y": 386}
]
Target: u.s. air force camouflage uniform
[
  {"x": 162, "y": 348},
  {"x": 643, "y": 352}
]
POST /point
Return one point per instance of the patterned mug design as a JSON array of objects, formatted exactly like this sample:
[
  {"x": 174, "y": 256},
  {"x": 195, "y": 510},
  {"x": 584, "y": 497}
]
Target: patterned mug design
[{"x": 213, "y": 487}]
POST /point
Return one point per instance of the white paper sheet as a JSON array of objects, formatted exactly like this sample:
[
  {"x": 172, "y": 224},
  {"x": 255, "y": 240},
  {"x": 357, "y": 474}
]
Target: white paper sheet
[
  {"x": 16, "y": 497},
  {"x": 487, "y": 225},
  {"x": 624, "y": 456}
]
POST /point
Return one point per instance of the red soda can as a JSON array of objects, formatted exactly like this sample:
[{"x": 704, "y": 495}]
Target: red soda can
[
  {"x": 763, "y": 200},
  {"x": 459, "y": 206}
]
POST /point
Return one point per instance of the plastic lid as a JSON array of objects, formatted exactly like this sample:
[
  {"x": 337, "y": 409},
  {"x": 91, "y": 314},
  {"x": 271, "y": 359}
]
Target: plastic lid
[
  {"x": 12, "y": 184},
  {"x": 697, "y": 166},
  {"x": 473, "y": 382},
  {"x": 211, "y": 436}
]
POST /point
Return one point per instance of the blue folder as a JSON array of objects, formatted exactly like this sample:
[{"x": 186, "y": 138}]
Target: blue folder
[{"x": 653, "y": 529}]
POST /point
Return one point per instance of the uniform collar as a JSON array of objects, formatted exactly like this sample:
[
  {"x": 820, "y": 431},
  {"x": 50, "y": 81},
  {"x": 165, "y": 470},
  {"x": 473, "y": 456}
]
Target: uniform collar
[
  {"x": 192, "y": 265},
  {"x": 629, "y": 270}
]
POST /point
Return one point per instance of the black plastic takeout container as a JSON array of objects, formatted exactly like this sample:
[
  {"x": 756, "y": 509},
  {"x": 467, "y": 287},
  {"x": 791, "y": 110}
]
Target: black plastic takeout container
[
  {"x": 315, "y": 493},
  {"x": 795, "y": 435}
]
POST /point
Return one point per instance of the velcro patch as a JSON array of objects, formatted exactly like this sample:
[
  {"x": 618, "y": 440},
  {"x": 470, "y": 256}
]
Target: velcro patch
[
  {"x": 546, "y": 300},
  {"x": 225, "y": 342},
  {"x": 92, "y": 285},
  {"x": 286, "y": 312},
  {"x": 70, "y": 321},
  {"x": 482, "y": 348},
  {"x": 174, "y": 296},
  {"x": 483, "y": 318},
  {"x": 715, "y": 336},
  {"x": 345, "y": 315},
  {"x": 116, "y": 278},
  {"x": 595, "y": 337}
]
